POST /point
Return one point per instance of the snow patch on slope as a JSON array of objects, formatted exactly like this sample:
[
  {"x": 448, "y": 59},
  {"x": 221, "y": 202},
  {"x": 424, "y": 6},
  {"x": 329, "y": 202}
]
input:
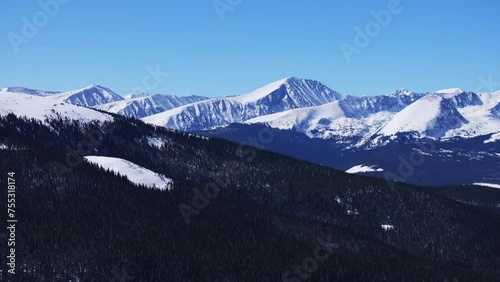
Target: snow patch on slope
[
  {"x": 494, "y": 137},
  {"x": 488, "y": 185},
  {"x": 362, "y": 169},
  {"x": 135, "y": 173},
  {"x": 387, "y": 227}
]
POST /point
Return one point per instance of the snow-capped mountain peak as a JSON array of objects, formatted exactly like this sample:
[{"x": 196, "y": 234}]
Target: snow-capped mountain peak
[
  {"x": 284, "y": 94},
  {"x": 259, "y": 93},
  {"x": 450, "y": 91},
  {"x": 89, "y": 96},
  {"x": 302, "y": 92},
  {"x": 402, "y": 91},
  {"x": 42, "y": 108}
]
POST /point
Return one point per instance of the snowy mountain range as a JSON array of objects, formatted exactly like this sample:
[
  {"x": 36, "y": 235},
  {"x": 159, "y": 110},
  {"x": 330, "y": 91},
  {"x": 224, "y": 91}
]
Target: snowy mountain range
[
  {"x": 448, "y": 113},
  {"x": 102, "y": 98},
  {"x": 308, "y": 107},
  {"x": 282, "y": 95},
  {"x": 308, "y": 115},
  {"x": 140, "y": 106},
  {"x": 46, "y": 108},
  {"x": 29, "y": 91}
]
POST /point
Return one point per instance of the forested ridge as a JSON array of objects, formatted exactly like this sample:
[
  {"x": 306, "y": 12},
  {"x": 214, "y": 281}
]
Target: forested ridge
[{"x": 89, "y": 224}]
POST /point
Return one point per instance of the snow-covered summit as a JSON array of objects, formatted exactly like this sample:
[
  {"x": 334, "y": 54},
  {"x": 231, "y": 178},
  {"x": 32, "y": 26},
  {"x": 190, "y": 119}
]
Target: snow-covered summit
[
  {"x": 89, "y": 96},
  {"x": 402, "y": 91},
  {"x": 43, "y": 108},
  {"x": 281, "y": 95},
  {"x": 450, "y": 91},
  {"x": 259, "y": 93}
]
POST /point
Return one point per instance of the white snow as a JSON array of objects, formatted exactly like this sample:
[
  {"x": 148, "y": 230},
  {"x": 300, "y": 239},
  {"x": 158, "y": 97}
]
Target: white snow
[
  {"x": 259, "y": 93},
  {"x": 415, "y": 117},
  {"x": 450, "y": 91},
  {"x": 495, "y": 137},
  {"x": 155, "y": 142},
  {"x": 135, "y": 173},
  {"x": 387, "y": 227},
  {"x": 89, "y": 96},
  {"x": 430, "y": 116},
  {"x": 139, "y": 95},
  {"x": 45, "y": 107},
  {"x": 363, "y": 168},
  {"x": 402, "y": 91},
  {"x": 290, "y": 118},
  {"x": 324, "y": 121},
  {"x": 480, "y": 120},
  {"x": 217, "y": 112},
  {"x": 118, "y": 106},
  {"x": 354, "y": 212},
  {"x": 488, "y": 185}
]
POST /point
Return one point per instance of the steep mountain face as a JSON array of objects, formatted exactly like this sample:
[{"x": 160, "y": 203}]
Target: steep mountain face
[
  {"x": 89, "y": 96},
  {"x": 278, "y": 96},
  {"x": 368, "y": 105},
  {"x": 460, "y": 98},
  {"x": 33, "y": 92},
  {"x": 495, "y": 111},
  {"x": 140, "y": 107},
  {"x": 136, "y": 95}
]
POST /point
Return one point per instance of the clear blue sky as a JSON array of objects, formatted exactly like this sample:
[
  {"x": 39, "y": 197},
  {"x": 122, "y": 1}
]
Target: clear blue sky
[{"x": 427, "y": 46}]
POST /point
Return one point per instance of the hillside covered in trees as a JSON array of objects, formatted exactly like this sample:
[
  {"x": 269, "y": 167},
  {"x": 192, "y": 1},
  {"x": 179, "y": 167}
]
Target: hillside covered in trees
[{"x": 235, "y": 213}]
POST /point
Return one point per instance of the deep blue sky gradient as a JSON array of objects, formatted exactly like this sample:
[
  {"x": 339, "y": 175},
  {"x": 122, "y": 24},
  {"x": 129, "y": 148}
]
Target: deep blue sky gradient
[{"x": 428, "y": 46}]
